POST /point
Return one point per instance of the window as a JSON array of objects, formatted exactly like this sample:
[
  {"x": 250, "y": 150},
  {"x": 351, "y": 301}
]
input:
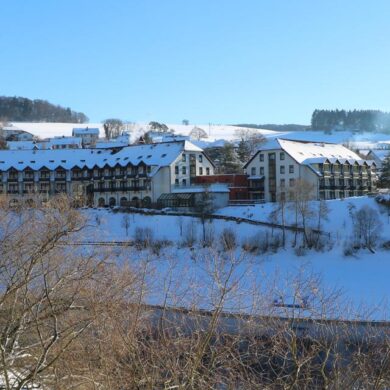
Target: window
[
  {"x": 13, "y": 175},
  {"x": 183, "y": 158},
  {"x": 282, "y": 183},
  {"x": 200, "y": 158},
  {"x": 261, "y": 170},
  {"x": 207, "y": 171},
  {"x": 253, "y": 171},
  {"x": 200, "y": 171},
  {"x": 292, "y": 182},
  {"x": 183, "y": 170},
  {"x": 13, "y": 188},
  {"x": 282, "y": 155},
  {"x": 291, "y": 169},
  {"x": 261, "y": 157},
  {"x": 176, "y": 170},
  {"x": 28, "y": 175},
  {"x": 184, "y": 181},
  {"x": 176, "y": 182},
  {"x": 282, "y": 169}
]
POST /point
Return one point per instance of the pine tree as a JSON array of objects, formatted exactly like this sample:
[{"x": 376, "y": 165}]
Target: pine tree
[
  {"x": 228, "y": 159},
  {"x": 243, "y": 151}
]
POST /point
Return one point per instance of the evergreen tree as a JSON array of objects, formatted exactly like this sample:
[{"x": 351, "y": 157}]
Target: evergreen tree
[
  {"x": 243, "y": 151},
  {"x": 228, "y": 159},
  {"x": 24, "y": 110}
]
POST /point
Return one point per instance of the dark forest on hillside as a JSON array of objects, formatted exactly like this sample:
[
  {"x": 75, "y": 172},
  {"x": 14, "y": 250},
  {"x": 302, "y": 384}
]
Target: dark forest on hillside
[
  {"x": 354, "y": 120},
  {"x": 20, "y": 109}
]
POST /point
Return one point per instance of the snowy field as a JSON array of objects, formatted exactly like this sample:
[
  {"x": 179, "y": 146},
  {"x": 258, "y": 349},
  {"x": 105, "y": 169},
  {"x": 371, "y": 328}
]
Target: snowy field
[
  {"x": 217, "y": 134},
  {"x": 362, "y": 279}
]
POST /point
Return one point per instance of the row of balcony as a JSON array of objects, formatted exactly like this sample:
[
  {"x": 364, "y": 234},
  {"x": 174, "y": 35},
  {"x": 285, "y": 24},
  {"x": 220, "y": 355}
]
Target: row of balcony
[
  {"x": 36, "y": 192},
  {"x": 342, "y": 188},
  {"x": 88, "y": 177},
  {"x": 351, "y": 174}
]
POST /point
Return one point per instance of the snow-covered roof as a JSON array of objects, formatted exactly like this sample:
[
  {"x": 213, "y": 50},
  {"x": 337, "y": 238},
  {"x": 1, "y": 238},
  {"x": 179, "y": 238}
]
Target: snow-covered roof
[
  {"x": 306, "y": 152},
  {"x": 156, "y": 154},
  {"x": 301, "y": 150},
  {"x": 85, "y": 130},
  {"x": 255, "y": 177},
  {"x": 380, "y": 154},
  {"x": 65, "y": 141},
  {"x": 119, "y": 142},
  {"x": 110, "y": 144},
  {"x": 214, "y": 187},
  {"x": 22, "y": 145},
  {"x": 11, "y": 128}
]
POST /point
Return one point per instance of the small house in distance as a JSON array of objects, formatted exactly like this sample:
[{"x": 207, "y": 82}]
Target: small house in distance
[{"x": 88, "y": 135}]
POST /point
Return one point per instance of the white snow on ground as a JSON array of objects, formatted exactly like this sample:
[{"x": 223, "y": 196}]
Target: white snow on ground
[{"x": 363, "y": 277}]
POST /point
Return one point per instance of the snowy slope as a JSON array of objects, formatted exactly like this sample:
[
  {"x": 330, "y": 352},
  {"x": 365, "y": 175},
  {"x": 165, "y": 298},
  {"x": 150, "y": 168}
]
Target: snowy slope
[
  {"x": 362, "y": 278},
  {"x": 217, "y": 134}
]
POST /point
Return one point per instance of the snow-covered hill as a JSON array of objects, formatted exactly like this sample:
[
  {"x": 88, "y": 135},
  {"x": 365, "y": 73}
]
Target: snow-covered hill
[{"x": 216, "y": 134}]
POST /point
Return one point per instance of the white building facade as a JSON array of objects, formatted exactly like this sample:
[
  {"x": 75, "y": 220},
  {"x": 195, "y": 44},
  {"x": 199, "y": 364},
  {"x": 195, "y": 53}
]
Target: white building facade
[
  {"x": 331, "y": 170},
  {"x": 135, "y": 174}
]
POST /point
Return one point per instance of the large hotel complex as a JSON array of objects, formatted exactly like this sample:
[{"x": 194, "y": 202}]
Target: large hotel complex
[
  {"x": 143, "y": 174},
  {"x": 94, "y": 177}
]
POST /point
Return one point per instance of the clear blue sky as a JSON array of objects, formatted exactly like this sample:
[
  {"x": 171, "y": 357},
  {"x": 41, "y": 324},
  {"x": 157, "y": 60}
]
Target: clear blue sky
[{"x": 218, "y": 61}]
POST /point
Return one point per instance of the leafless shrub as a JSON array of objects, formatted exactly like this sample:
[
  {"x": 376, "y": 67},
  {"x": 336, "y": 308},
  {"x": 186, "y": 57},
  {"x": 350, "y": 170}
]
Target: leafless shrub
[
  {"x": 367, "y": 227},
  {"x": 70, "y": 319},
  {"x": 189, "y": 235},
  {"x": 228, "y": 239},
  {"x": 209, "y": 235},
  {"x": 143, "y": 237},
  {"x": 126, "y": 223}
]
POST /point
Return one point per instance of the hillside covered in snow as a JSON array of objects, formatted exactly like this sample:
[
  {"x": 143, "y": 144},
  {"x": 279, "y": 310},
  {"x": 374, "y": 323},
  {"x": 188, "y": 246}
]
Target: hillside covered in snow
[{"x": 216, "y": 134}]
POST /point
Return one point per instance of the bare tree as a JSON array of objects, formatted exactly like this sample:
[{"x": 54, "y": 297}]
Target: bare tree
[
  {"x": 126, "y": 223},
  {"x": 302, "y": 196},
  {"x": 250, "y": 139},
  {"x": 197, "y": 133},
  {"x": 42, "y": 290},
  {"x": 367, "y": 227},
  {"x": 113, "y": 127}
]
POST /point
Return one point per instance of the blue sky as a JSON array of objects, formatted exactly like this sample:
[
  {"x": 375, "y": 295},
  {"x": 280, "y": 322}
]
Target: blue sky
[{"x": 217, "y": 61}]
